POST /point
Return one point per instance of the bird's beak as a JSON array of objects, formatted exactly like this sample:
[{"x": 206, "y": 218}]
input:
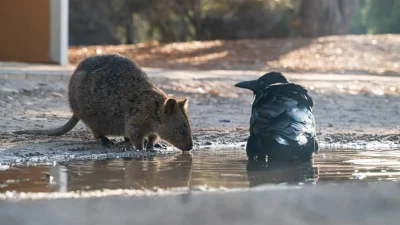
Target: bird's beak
[{"x": 251, "y": 85}]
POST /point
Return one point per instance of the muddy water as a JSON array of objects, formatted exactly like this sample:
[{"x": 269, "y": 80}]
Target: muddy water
[{"x": 222, "y": 168}]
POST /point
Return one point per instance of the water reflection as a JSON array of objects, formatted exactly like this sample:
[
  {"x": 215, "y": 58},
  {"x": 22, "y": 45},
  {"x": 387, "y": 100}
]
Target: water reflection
[
  {"x": 163, "y": 172},
  {"x": 222, "y": 168},
  {"x": 19, "y": 178},
  {"x": 281, "y": 173}
]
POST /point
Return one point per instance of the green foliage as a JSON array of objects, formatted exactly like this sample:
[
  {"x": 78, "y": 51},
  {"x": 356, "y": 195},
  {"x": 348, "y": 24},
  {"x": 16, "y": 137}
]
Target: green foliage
[
  {"x": 377, "y": 17},
  {"x": 358, "y": 26},
  {"x": 185, "y": 20}
]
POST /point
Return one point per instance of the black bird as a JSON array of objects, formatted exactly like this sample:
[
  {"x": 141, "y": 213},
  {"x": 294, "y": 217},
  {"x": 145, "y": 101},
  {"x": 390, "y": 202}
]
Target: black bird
[{"x": 282, "y": 125}]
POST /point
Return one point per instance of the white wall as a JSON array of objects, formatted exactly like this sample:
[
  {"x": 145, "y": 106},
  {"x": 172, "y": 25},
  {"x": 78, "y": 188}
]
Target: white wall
[{"x": 59, "y": 31}]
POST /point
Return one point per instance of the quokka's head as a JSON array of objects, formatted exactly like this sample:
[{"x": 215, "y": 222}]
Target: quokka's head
[{"x": 175, "y": 128}]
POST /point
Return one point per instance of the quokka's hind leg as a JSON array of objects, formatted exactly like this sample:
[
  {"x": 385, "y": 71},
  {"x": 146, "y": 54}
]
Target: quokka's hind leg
[
  {"x": 103, "y": 140},
  {"x": 99, "y": 136}
]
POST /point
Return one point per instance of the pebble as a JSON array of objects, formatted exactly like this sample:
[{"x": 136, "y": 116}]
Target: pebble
[
  {"x": 57, "y": 94},
  {"x": 8, "y": 90}
]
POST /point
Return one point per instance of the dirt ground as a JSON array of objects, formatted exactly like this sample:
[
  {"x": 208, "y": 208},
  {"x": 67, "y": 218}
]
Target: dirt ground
[
  {"x": 350, "y": 110},
  {"x": 361, "y": 54}
]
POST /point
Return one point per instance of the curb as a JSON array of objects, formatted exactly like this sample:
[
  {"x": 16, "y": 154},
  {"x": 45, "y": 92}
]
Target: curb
[
  {"x": 64, "y": 73},
  {"x": 35, "y": 75}
]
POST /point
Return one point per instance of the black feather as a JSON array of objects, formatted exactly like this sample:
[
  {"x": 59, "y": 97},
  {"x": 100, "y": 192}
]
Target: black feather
[{"x": 282, "y": 125}]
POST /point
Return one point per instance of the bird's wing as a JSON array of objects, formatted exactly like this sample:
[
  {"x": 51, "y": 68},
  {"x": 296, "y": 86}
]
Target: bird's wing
[{"x": 285, "y": 112}]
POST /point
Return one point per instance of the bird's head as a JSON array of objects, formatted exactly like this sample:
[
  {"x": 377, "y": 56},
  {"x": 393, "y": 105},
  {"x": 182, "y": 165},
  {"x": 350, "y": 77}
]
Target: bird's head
[{"x": 264, "y": 81}]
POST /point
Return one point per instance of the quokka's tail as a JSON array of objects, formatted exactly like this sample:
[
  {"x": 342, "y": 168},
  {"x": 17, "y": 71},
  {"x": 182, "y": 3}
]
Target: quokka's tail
[{"x": 54, "y": 132}]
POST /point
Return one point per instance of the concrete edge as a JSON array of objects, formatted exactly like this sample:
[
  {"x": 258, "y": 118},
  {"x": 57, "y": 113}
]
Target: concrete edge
[{"x": 344, "y": 204}]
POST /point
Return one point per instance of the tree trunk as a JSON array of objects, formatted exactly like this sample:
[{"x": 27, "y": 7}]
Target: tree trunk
[
  {"x": 325, "y": 17},
  {"x": 130, "y": 33},
  {"x": 124, "y": 16},
  {"x": 90, "y": 23}
]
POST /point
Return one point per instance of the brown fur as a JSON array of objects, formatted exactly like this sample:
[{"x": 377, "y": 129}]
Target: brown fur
[{"x": 114, "y": 97}]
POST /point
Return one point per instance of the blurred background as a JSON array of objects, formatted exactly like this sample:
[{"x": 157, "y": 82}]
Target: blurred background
[
  {"x": 338, "y": 36},
  {"x": 287, "y": 35},
  {"x": 104, "y": 22}
]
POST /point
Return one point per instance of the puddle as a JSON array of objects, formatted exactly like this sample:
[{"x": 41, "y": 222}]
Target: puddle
[{"x": 221, "y": 168}]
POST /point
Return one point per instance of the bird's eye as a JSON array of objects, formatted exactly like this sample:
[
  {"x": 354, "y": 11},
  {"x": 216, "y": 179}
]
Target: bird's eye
[{"x": 182, "y": 132}]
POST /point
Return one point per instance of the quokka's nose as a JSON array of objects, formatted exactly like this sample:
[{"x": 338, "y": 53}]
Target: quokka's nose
[{"x": 189, "y": 147}]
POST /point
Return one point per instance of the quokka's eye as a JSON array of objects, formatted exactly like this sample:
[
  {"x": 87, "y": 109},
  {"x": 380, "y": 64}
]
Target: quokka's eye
[{"x": 182, "y": 132}]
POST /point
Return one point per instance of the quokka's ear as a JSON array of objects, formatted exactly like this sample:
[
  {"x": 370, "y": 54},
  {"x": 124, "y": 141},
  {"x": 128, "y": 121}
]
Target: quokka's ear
[
  {"x": 183, "y": 104},
  {"x": 171, "y": 106}
]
